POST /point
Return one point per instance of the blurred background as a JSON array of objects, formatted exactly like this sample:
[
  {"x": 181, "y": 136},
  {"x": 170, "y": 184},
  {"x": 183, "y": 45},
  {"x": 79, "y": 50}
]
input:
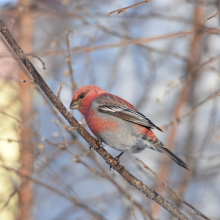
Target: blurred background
[{"x": 158, "y": 56}]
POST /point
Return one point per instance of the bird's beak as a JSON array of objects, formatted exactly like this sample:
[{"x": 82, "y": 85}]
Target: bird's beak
[{"x": 74, "y": 105}]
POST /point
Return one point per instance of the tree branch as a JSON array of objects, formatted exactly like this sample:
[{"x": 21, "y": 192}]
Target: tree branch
[
  {"x": 124, "y": 9},
  {"x": 58, "y": 192},
  {"x": 213, "y": 16},
  {"x": 151, "y": 194},
  {"x": 171, "y": 190}
]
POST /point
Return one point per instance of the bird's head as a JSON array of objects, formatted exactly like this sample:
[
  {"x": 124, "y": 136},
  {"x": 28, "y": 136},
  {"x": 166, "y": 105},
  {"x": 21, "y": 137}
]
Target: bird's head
[{"x": 83, "y": 96}]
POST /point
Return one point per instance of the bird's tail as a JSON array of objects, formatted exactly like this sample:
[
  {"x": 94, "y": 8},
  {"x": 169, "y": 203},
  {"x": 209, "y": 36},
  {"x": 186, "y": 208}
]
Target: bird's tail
[
  {"x": 173, "y": 157},
  {"x": 155, "y": 144}
]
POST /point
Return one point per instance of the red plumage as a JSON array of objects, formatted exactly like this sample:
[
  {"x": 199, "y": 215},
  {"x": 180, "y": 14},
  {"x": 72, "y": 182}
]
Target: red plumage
[{"x": 117, "y": 122}]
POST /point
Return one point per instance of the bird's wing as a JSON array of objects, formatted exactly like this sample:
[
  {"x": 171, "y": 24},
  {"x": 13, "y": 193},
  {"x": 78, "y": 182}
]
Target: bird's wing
[{"x": 127, "y": 114}]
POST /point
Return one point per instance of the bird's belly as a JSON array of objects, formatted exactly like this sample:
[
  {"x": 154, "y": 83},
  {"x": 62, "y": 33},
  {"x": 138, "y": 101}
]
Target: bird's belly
[
  {"x": 123, "y": 139},
  {"x": 123, "y": 142},
  {"x": 116, "y": 133}
]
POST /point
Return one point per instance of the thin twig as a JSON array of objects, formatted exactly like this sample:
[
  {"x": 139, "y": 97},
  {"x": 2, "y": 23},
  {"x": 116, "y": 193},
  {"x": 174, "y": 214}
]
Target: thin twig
[
  {"x": 62, "y": 133},
  {"x": 69, "y": 61},
  {"x": 88, "y": 49},
  {"x": 58, "y": 192},
  {"x": 58, "y": 94},
  {"x": 176, "y": 194},
  {"x": 132, "y": 180},
  {"x": 126, "y": 8},
  {"x": 34, "y": 132},
  {"x": 16, "y": 190},
  {"x": 178, "y": 120},
  {"x": 213, "y": 16},
  {"x": 42, "y": 62}
]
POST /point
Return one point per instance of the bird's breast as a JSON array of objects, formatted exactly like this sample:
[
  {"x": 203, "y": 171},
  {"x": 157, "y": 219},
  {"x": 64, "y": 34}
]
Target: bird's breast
[{"x": 99, "y": 123}]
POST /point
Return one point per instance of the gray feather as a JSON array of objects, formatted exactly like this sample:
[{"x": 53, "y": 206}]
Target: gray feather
[{"x": 128, "y": 115}]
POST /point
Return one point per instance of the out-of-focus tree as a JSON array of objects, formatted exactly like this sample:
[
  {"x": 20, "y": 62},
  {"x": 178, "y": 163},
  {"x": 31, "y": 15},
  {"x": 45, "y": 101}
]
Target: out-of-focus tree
[{"x": 160, "y": 56}]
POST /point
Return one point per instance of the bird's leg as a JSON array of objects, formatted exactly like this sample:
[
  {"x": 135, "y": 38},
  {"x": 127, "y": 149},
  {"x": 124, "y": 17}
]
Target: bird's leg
[
  {"x": 99, "y": 142},
  {"x": 117, "y": 159}
]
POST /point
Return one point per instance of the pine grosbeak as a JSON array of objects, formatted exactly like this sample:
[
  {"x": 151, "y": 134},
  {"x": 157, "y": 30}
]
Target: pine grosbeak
[{"x": 117, "y": 123}]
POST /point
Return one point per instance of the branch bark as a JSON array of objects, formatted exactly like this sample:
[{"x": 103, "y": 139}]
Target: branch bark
[{"x": 132, "y": 180}]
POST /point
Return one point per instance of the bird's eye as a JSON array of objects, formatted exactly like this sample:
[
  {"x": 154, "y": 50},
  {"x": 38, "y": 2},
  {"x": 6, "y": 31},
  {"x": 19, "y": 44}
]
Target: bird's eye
[{"x": 82, "y": 96}]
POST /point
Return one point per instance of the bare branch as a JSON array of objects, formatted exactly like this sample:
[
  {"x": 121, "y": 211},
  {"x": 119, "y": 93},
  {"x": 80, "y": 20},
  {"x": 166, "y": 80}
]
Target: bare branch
[
  {"x": 136, "y": 41},
  {"x": 213, "y": 16},
  {"x": 58, "y": 192},
  {"x": 69, "y": 61},
  {"x": 42, "y": 62},
  {"x": 58, "y": 94},
  {"x": 176, "y": 194},
  {"x": 126, "y": 8},
  {"x": 178, "y": 120}
]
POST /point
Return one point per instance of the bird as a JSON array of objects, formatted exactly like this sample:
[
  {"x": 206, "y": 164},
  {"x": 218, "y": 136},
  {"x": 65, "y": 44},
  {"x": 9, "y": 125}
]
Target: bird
[{"x": 117, "y": 123}]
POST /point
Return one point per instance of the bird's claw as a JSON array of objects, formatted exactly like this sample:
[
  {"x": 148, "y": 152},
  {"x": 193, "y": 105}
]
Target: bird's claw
[
  {"x": 110, "y": 167},
  {"x": 99, "y": 142},
  {"x": 117, "y": 159}
]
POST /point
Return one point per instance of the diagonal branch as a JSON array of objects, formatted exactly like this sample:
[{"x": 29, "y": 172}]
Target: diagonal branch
[
  {"x": 213, "y": 16},
  {"x": 124, "y": 9},
  {"x": 58, "y": 192},
  {"x": 176, "y": 194},
  {"x": 151, "y": 194}
]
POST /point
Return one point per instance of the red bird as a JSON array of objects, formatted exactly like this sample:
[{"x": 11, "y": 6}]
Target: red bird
[{"x": 117, "y": 123}]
